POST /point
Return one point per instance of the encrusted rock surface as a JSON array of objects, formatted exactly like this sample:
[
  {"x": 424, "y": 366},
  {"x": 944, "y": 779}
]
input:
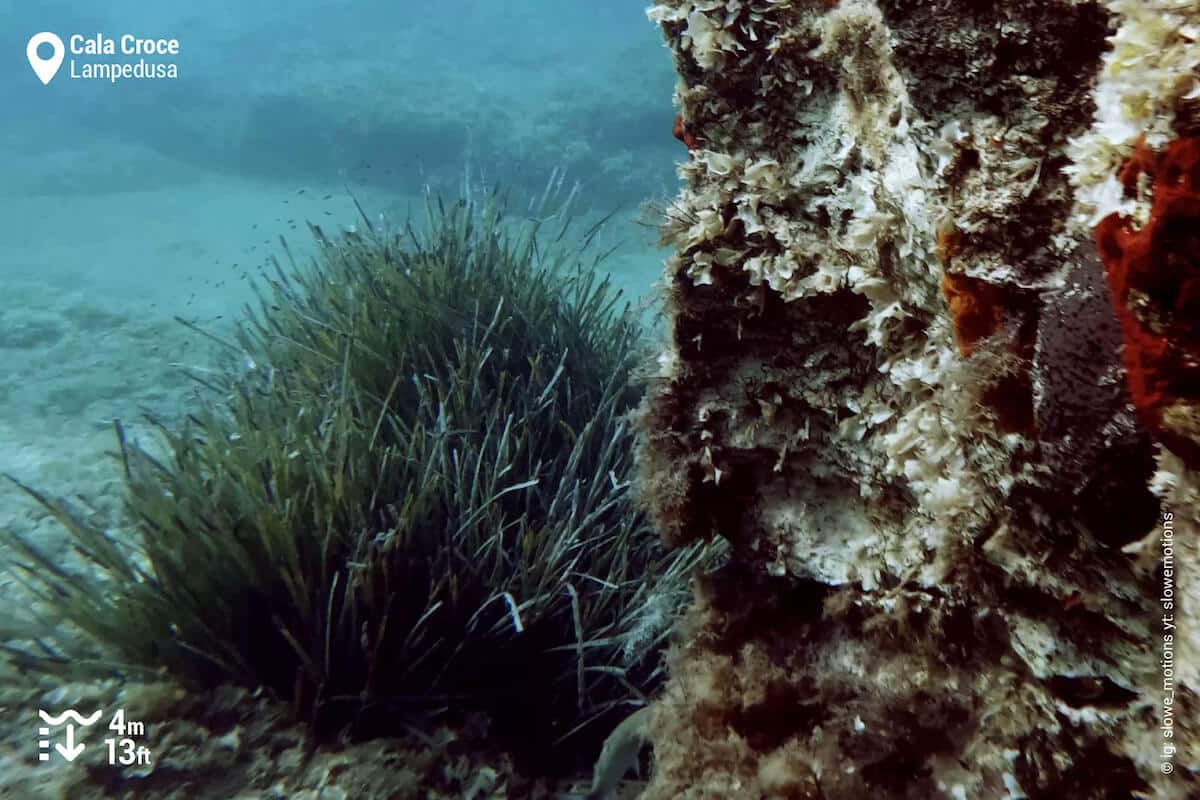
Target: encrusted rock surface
[
  {"x": 229, "y": 744},
  {"x": 897, "y": 384}
]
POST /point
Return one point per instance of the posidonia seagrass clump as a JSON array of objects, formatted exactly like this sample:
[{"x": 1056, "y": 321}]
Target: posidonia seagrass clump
[{"x": 408, "y": 492}]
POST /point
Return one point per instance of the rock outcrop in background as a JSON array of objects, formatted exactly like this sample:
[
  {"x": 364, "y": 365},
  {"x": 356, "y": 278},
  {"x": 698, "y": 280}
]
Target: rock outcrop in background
[{"x": 935, "y": 374}]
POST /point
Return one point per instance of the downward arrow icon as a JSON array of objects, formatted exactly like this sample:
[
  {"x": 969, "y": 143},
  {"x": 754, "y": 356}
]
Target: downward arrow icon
[{"x": 71, "y": 750}]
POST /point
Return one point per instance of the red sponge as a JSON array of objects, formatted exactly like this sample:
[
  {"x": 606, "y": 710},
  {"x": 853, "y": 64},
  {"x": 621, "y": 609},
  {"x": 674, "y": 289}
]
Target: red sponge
[{"x": 1154, "y": 278}]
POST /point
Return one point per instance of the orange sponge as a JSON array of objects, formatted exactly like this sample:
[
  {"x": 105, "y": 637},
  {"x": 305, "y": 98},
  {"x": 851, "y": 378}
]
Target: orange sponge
[{"x": 975, "y": 308}]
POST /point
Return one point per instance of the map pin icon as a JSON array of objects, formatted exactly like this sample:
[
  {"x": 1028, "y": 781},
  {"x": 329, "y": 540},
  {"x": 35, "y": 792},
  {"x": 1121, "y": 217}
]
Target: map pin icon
[{"x": 45, "y": 68}]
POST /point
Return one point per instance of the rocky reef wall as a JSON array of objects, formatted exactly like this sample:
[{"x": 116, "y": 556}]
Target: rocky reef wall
[{"x": 934, "y": 372}]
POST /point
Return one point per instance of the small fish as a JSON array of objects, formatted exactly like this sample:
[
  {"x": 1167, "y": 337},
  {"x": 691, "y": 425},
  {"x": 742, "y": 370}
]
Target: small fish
[{"x": 619, "y": 754}]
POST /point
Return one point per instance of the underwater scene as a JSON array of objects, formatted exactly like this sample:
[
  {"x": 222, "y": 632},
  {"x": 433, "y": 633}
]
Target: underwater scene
[{"x": 600, "y": 399}]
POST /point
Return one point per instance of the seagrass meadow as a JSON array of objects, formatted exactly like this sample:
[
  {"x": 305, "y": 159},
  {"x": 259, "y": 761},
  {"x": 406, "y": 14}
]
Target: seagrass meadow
[{"x": 404, "y": 499}]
